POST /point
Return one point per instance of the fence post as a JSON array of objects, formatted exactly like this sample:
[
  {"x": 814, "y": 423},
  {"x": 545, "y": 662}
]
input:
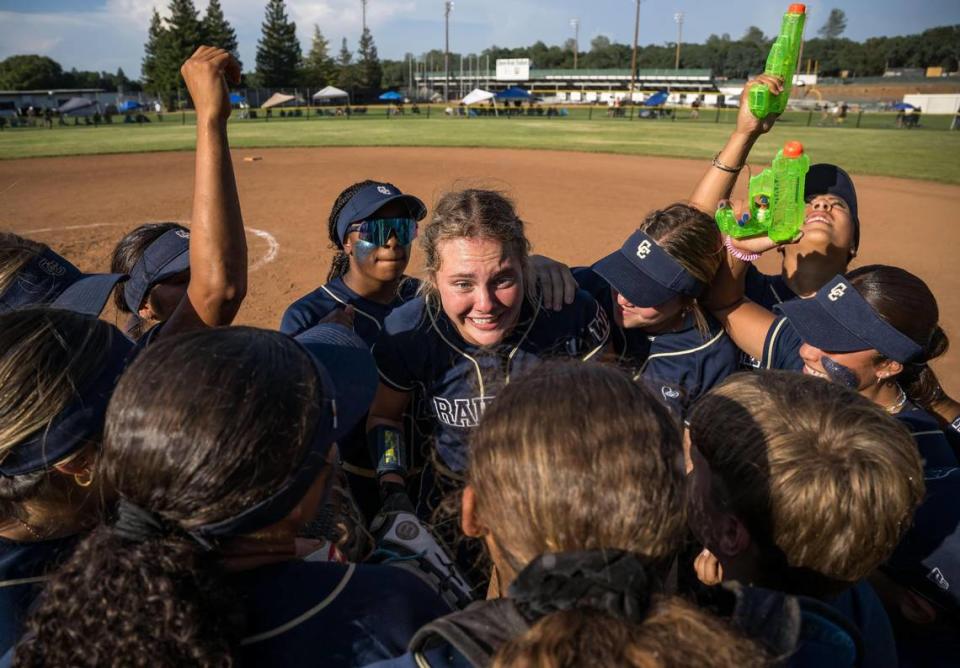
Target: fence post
[
  {"x": 183, "y": 117},
  {"x": 809, "y": 118},
  {"x": 859, "y": 116},
  {"x": 590, "y": 113},
  {"x": 717, "y": 118},
  {"x": 428, "y": 110}
]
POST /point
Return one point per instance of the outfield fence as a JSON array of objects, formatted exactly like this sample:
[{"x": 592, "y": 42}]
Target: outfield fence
[{"x": 876, "y": 120}]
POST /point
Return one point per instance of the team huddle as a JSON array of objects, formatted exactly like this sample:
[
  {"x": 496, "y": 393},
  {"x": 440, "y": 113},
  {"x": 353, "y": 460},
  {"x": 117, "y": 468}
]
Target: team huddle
[{"x": 665, "y": 458}]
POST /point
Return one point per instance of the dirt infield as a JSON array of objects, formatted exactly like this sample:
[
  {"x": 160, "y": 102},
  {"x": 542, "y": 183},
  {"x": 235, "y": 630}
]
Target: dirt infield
[{"x": 578, "y": 207}]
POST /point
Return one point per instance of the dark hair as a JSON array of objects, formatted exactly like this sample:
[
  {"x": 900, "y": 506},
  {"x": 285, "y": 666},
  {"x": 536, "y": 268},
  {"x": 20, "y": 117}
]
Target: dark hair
[
  {"x": 126, "y": 254},
  {"x": 46, "y": 355},
  {"x": 15, "y": 253},
  {"x": 201, "y": 427},
  {"x": 341, "y": 261},
  {"x": 905, "y": 301}
]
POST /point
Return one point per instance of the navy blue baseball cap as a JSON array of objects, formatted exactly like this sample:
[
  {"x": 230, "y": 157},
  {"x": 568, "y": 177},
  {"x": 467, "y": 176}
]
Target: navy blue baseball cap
[
  {"x": 166, "y": 256},
  {"x": 78, "y": 423},
  {"x": 370, "y": 198},
  {"x": 826, "y": 179},
  {"x": 349, "y": 378},
  {"x": 645, "y": 274},
  {"x": 839, "y": 320},
  {"x": 927, "y": 559},
  {"x": 50, "y": 280}
]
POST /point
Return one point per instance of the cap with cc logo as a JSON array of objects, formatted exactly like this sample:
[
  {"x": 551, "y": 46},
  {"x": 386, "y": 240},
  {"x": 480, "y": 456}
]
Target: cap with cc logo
[
  {"x": 371, "y": 197},
  {"x": 839, "y": 320},
  {"x": 645, "y": 274}
]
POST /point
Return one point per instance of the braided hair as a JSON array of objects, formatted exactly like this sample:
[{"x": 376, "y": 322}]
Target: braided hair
[{"x": 341, "y": 261}]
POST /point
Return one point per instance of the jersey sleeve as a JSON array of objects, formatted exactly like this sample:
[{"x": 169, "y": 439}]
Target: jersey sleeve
[
  {"x": 590, "y": 281},
  {"x": 398, "y": 347},
  {"x": 781, "y": 348},
  {"x": 304, "y": 313}
]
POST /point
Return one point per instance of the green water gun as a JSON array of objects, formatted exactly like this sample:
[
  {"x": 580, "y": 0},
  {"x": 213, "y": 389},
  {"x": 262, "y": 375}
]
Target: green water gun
[
  {"x": 777, "y": 205},
  {"x": 782, "y": 62}
]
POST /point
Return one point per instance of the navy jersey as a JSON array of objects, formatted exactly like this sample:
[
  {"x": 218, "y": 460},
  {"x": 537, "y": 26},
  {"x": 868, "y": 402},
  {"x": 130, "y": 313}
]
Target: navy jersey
[
  {"x": 767, "y": 290},
  {"x": 420, "y": 349},
  {"x": 24, "y": 567},
  {"x": 861, "y": 605},
  {"x": 307, "y": 311},
  {"x": 326, "y": 614},
  {"x": 678, "y": 366},
  {"x": 781, "y": 350}
]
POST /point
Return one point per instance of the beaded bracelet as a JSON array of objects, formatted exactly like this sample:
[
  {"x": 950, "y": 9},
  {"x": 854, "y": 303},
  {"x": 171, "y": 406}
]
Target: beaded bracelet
[{"x": 739, "y": 254}]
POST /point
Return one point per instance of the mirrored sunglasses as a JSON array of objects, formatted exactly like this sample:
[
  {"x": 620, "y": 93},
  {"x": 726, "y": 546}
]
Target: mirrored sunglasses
[{"x": 378, "y": 230}]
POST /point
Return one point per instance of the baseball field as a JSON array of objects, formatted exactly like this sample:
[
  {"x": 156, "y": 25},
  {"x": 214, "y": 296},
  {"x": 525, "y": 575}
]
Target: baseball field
[{"x": 583, "y": 189}]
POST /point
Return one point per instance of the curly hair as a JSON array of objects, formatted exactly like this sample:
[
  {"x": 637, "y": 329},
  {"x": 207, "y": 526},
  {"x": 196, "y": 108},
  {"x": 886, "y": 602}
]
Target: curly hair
[{"x": 201, "y": 427}]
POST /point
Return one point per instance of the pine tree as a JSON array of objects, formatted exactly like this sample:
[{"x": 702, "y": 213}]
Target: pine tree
[
  {"x": 278, "y": 51},
  {"x": 155, "y": 78},
  {"x": 185, "y": 31},
  {"x": 217, "y": 31},
  {"x": 318, "y": 67},
  {"x": 835, "y": 25},
  {"x": 369, "y": 70},
  {"x": 345, "y": 75}
]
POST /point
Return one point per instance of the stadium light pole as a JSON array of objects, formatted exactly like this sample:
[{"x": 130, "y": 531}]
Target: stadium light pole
[
  {"x": 364, "y": 4},
  {"x": 575, "y": 24},
  {"x": 633, "y": 59},
  {"x": 678, "y": 17},
  {"x": 447, "y": 6}
]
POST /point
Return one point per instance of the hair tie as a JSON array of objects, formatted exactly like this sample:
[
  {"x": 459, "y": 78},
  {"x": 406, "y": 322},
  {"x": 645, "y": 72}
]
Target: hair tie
[
  {"x": 613, "y": 581},
  {"x": 136, "y": 524}
]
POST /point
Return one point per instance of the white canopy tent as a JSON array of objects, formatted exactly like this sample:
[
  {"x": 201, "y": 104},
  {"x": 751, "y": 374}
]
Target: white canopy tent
[
  {"x": 330, "y": 93},
  {"x": 478, "y": 95}
]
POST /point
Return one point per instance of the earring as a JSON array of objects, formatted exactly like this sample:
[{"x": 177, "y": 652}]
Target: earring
[{"x": 84, "y": 479}]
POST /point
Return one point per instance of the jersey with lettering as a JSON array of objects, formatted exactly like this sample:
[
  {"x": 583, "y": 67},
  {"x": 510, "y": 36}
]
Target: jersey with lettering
[
  {"x": 369, "y": 315},
  {"x": 421, "y": 349},
  {"x": 678, "y": 366},
  {"x": 781, "y": 350}
]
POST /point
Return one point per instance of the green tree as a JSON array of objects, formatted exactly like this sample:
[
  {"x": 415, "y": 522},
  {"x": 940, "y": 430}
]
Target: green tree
[
  {"x": 278, "y": 51},
  {"x": 30, "y": 73},
  {"x": 319, "y": 69},
  {"x": 217, "y": 31},
  {"x": 835, "y": 25},
  {"x": 156, "y": 77},
  {"x": 369, "y": 71},
  {"x": 345, "y": 72}
]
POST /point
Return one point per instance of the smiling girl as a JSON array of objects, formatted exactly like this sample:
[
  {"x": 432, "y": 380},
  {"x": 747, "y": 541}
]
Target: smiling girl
[{"x": 477, "y": 323}]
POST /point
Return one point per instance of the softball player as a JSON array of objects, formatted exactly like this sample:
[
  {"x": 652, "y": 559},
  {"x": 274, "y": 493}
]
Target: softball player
[
  {"x": 478, "y": 324},
  {"x": 874, "y": 330},
  {"x": 57, "y": 374},
  {"x": 372, "y": 225},
  {"x": 156, "y": 257},
  {"x": 212, "y": 526}
]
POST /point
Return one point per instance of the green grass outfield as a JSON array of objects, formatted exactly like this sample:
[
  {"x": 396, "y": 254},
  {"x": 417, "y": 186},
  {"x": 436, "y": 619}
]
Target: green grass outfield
[{"x": 926, "y": 153}]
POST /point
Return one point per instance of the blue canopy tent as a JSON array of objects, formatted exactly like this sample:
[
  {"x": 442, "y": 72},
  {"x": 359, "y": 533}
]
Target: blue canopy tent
[
  {"x": 391, "y": 96},
  {"x": 657, "y": 99},
  {"x": 128, "y": 105},
  {"x": 514, "y": 93},
  {"x": 903, "y": 106},
  {"x": 237, "y": 98}
]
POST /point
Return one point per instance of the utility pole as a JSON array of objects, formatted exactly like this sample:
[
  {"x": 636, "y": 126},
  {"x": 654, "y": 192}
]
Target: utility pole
[
  {"x": 633, "y": 60},
  {"x": 447, "y": 6},
  {"x": 364, "y": 4},
  {"x": 575, "y": 24},
  {"x": 678, "y": 17}
]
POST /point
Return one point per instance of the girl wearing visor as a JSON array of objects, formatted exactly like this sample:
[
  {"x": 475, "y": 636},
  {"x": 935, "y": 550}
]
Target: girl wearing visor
[
  {"x": 202, "y": 565},
  {"x": 650, "y": 288},
  {"x": 372, "y": 225},
  {"x": 874, "y": 330},
  {"x": 57, "y": 373}
]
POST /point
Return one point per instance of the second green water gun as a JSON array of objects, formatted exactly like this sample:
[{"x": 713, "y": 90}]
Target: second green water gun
[
  {"x": 777, "y": 206},
  {"x": 781, "y": 62}
]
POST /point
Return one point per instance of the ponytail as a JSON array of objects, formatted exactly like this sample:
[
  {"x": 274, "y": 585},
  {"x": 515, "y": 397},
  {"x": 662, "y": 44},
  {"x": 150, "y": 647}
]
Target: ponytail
[
  {"x": 159, "y": 600},
  {"x": 918, "y": 381},
  {"x": 341, "y": 261}
]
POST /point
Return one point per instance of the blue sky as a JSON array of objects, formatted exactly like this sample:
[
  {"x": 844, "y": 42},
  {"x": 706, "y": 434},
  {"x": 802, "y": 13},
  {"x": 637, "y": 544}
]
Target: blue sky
[{"x": 107, "y": 34}]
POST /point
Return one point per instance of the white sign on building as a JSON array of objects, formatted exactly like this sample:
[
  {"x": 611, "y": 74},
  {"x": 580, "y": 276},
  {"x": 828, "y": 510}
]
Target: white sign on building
[{"x": 513, "y": 69}]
